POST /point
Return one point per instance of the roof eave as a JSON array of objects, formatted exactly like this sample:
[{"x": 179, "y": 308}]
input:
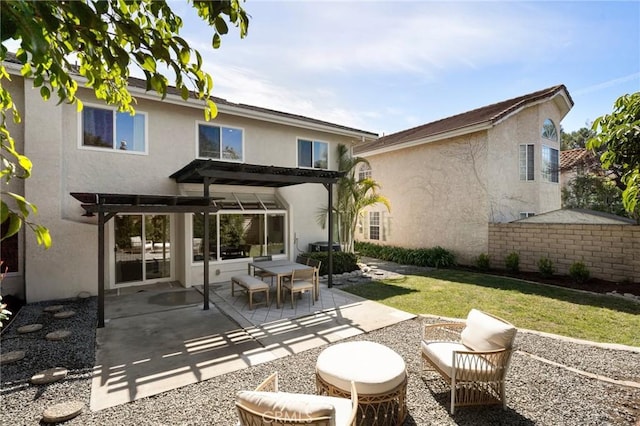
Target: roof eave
[{"x": 461, "y": 131}]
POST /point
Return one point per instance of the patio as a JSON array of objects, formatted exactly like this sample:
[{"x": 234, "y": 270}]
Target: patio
[{"x": 545, "y": 384}]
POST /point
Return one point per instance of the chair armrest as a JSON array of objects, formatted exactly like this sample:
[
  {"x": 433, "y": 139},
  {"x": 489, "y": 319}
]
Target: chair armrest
[
  {"x": 481, "y": 365},
  {"x": 270, "y": 384},
  {"x": 442, "y": 331}
]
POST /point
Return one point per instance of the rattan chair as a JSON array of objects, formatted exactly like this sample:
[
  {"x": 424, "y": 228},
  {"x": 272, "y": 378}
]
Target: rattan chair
[
  {"x": 268, "y": 406},
  {"x": 473, "y": 357},
  {"x": 301, "y": 281}
]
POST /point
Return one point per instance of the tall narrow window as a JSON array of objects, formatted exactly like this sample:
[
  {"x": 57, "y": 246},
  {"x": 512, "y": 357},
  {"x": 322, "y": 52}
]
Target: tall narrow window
[
  {"x": 220, "y": 143},
  {"x": 313, "y": 154},
  {"x": 550, "y": 164},
  {"x": 109, "y": 129},
  {"x": 374, "y": 225},
  {"x": 526, "y": 162}
]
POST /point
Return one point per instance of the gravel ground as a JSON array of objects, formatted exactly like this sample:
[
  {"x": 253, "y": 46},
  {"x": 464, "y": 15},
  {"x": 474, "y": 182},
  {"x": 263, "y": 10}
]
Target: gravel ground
[{"x": 537, "y": 393}]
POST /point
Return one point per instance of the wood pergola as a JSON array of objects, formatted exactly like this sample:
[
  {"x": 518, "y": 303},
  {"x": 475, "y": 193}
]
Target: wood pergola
[{"x": 205, "y": 172}]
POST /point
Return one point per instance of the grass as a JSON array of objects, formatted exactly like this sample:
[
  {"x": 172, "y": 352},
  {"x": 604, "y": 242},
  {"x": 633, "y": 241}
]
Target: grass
[{"x": 556, "y": 310}]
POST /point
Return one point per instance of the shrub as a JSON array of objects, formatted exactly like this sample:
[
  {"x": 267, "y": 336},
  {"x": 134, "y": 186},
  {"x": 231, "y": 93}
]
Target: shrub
[
  {"x": 342, "y": 261},
  {"x": 579, "y": 272},
  {"x": 512, "y": 262},
  {"x": 545, "y": 266},
  {"x": 435, "y": 257},
  {"x": 483, "y": 262}
]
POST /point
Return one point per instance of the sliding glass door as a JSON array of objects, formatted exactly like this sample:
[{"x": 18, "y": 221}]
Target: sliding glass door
[{"x": 142, "y": 248}]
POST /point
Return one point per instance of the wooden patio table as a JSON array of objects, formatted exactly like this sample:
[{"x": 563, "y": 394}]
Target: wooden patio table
[{"x": 279, "y": 268}]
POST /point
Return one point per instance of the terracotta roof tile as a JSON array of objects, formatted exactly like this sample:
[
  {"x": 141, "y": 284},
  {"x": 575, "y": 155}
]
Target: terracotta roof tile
[
  {"x": 576, "y": 157},
  {"x": 489, "y": 115}
]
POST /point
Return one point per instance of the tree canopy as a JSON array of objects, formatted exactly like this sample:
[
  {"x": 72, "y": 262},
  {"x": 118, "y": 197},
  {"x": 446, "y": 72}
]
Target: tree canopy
[
  {"x": 617, "y": 136},
  {"x": 95, "y": 43}
]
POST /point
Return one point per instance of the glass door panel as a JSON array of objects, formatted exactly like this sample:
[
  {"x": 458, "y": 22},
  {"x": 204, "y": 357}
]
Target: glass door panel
[
  {"x": 158, "y": 260},
  {"x": 130, "y": 248},
  {"x": 143, "y": 247}
]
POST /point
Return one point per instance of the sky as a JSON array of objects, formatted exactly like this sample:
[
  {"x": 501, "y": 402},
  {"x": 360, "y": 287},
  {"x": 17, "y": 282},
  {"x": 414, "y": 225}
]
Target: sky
[{"x": 386, "y": 66}]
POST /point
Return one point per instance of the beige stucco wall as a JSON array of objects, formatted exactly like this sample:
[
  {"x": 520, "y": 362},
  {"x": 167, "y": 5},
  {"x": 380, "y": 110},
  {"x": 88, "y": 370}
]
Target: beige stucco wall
[
  {"x": 52, "y": 136},
  {"x": 447, "y": 192},
  {"x": 437, "y": 193}
]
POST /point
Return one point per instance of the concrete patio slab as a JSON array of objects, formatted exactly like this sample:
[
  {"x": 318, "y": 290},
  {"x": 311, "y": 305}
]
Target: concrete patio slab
[{"x": 160, "y": 338}]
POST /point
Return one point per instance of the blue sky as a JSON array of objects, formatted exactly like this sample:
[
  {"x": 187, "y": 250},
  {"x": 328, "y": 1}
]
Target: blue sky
[{"x": 388, "y": 66}]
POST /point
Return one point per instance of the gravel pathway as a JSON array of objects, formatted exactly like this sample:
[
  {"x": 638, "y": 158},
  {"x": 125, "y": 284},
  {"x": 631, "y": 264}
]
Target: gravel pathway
[{"x": 537, "y": 393}]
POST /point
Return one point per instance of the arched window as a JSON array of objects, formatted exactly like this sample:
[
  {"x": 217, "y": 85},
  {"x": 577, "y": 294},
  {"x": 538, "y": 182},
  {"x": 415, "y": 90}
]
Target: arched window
[
  {"x": 364, "y": 172},
  {"x": 549, "y": 130}
]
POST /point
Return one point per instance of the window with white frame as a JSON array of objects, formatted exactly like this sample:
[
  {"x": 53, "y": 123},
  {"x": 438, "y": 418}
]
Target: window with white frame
[
  {"x": 105, "y": 128},
  {"x": 550, "y": 164},
  {"x": 220, "y": 142},
  {"x": 549, "y": 130},
  {"x": 526, "y": 162},
  {"x": 374, "y": 225},
  {"x": 364, "y": 172},
  {"x": 524, "y": 215},
  {"x": 313, "y": 154}
]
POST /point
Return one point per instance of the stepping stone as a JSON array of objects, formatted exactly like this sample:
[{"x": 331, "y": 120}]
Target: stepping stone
[
  {"x": 62, "y": 412},
  {"x": 49, "y": 376},
  {"x": 84, "y": 295},
  {"x": 10, "y": 357},
  {"x": 29, "y": 328},
  {"x": 64, "y": 314},
  {"x": 58, "y": 335},
  {"x": 53, "y": 308}
]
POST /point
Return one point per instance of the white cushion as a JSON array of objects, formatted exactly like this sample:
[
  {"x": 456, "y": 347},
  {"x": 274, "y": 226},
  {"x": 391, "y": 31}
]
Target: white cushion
[
  {"x": 374, "y": 368},
  {"x": 294, "y": 406},
  {"x": 441, "y": 354},
  {"x": 486, "y": 333}
]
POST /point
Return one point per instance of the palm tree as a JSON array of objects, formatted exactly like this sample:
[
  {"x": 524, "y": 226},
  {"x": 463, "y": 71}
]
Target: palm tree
[{"x": 353, "y": 195}]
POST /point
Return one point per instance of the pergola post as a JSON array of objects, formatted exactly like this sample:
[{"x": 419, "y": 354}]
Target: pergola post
[
  {"x": 205, "y": 251},
  {"x": 329, "y": 187},
  {"x": 101, "y": 260}
]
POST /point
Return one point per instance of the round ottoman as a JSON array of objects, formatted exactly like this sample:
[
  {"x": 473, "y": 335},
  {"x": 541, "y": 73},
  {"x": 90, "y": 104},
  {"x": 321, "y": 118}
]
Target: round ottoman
[{"x": 380, "y": 376}]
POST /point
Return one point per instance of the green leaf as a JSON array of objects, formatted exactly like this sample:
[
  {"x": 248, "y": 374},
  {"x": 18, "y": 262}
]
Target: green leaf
[
  {"x": 15, "y": 223},
  {"x": 185, "y": 56},
  {"x": 215, "y": 42},
  {"x": 45, "y": 93}
]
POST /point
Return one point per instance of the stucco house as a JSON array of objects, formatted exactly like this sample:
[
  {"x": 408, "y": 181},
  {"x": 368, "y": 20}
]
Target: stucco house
[
  {"x": 157, "y": 152},
  {"x": 447, "y": 180}
]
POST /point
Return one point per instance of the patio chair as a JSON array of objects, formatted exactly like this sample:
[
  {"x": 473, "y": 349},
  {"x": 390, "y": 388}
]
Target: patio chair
[
  {"x": 260, "y": 273},
  {"x": 316, "y": 278},
  {"x": 302, "y": 260},
  {"x": 301, "y": 281},
  {"x": 268, "y": 406},
  {"x": 475, "y": 363}
]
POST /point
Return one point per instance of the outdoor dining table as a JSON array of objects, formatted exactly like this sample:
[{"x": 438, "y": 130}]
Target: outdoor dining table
[{"x": 279, "y": 268}]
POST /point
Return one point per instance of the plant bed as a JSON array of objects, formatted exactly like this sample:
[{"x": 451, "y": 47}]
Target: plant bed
[{"x": 595, "y": 285}]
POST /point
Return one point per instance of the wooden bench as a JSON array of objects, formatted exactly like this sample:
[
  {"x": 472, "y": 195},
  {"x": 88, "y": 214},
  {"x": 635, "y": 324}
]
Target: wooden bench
[{"x": 250, "y": 285}]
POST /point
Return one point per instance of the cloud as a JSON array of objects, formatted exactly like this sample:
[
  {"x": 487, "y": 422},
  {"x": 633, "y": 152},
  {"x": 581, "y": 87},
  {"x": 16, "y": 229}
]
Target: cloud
[{"x": 606, "y": 84}]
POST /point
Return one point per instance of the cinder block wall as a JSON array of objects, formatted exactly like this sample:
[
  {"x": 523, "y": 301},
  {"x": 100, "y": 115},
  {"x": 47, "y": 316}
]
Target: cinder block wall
[{"x": 610, "y": 252}]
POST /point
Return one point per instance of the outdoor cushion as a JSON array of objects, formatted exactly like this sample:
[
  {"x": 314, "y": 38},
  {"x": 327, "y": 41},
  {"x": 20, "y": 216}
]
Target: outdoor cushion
[
  {"x": 486, "y": 333},
  {"x": 441, "y": 354},
  {"x": 295, "y": 406}
]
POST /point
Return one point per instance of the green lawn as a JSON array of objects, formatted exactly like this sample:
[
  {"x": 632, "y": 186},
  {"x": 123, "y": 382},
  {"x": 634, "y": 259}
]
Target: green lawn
[{"x": 452, "y": 293}]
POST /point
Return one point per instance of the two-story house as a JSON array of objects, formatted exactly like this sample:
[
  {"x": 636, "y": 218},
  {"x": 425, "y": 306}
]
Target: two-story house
[
  {"x": 447, "y": 180},
  {"x": 157, "y": 152}
]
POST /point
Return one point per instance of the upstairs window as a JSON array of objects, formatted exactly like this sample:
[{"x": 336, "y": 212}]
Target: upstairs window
[
  {"x": 109, "y": 129},
  {"x": 549, "y": 130},
  {"x": 526, "y": 162},
  {"x": 313, "y": 154},
  {"x": 550, "y": 164},
  {"x": 364, "y": 172},
  {"x": 220, "y": 142}
]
